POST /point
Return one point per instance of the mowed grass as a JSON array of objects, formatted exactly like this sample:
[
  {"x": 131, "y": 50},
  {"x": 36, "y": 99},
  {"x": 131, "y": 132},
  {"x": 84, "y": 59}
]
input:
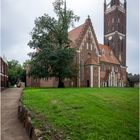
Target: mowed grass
[{"x": 85, "y": 113}]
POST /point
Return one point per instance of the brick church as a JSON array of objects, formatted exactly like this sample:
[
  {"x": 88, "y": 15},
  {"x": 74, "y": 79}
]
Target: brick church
[{"x": 100, "y": 65}]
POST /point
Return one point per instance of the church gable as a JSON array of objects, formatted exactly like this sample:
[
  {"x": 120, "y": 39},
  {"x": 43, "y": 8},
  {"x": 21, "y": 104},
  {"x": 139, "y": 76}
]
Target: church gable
[
  {"x": 89, "y": 47},
  {"x": 75, "y": 33},
  {"x": 84, "y": 39},
  {"x": 89, "y": 42}
]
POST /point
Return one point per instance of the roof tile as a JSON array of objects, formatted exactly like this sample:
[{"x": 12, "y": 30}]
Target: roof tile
[
  {"x": 108, "y": 55},
  {"x": 75, "y": 33}
]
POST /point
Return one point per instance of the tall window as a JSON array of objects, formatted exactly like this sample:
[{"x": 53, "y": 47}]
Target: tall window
[
  {"x": 82, "y": 70},
  {"x": 103, "y": 51},
  {"x": 112, "y": 68},
  {"x": 116, "y": 68},
  {"x": 91, "y": 46},
  {"x": 109, "y": 67},
  {"x": 108, "y": 43},
  {"x": 122, "y": 46},
  {"x": 89, "y": 55},
  {"x": 1, "y": 68},
  {"x": 103, "y": 67},
  {"x": 112, "y": 20},
  {"x": 87, "y": 46}
]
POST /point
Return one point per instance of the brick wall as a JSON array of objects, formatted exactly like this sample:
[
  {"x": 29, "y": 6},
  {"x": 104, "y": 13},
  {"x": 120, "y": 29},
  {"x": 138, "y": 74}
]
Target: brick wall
[{"x": 3, "y": 73}]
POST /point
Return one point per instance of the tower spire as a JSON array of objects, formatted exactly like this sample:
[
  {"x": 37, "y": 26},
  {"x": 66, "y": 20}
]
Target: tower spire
[
  {"x": 104, "y": 4},
  {"x": 65, "y": 6},
  {"x": 125, "y": 4},
  {"x": 115, "y": 2}
]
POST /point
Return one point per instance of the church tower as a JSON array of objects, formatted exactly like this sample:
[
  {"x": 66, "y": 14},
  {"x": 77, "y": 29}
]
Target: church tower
[{"x": 115, "y": 28}]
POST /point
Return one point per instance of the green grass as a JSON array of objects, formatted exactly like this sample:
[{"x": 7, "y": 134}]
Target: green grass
[{"x": 85, "y": 113}]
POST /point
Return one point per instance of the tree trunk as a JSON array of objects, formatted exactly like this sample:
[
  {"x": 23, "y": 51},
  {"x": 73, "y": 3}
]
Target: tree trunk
[{"x": 61, "y": 83}]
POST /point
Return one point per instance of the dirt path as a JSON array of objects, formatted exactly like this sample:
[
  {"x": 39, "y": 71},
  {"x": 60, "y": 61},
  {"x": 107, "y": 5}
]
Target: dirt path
[{"x": 11, "y": 128}]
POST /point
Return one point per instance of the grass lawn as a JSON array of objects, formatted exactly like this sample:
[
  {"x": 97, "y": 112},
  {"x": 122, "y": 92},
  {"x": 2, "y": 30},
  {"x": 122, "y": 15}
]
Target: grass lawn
[{"x": 85, "y": 113}]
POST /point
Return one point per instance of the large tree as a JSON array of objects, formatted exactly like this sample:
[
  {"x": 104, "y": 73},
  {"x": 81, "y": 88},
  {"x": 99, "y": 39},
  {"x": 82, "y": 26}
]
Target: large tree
[
  {"x": 53, "y": 56},
  {"x": 16, "y": 72}
]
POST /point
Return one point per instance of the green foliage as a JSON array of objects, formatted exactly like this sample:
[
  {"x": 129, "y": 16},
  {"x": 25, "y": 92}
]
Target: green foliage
[
  {"x": 15, "y": 72},
  {"x": 53, "y": 56},
  {"x": 85, "y": 113},
  {"x": 134, "y": 77}
]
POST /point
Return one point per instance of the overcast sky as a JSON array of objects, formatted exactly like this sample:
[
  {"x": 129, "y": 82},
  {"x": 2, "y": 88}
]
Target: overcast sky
[{"x": 17, "y": 21}]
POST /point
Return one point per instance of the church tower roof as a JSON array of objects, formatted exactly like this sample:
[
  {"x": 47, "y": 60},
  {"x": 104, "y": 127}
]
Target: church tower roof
[{"x": 115, "y": 2}]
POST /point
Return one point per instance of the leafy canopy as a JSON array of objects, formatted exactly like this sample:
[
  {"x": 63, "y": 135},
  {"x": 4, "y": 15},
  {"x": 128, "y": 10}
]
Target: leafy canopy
[
  {"x": 53, "y": 56},
  {"x": 16, "y": 72}
]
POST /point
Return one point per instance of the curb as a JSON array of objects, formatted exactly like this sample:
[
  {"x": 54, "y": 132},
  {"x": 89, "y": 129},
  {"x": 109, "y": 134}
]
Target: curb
[{"x": 25, "y": 118}]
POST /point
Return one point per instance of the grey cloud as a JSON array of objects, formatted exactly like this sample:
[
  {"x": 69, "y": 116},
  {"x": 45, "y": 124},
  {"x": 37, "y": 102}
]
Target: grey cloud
[{"x": 18, "y": 20}]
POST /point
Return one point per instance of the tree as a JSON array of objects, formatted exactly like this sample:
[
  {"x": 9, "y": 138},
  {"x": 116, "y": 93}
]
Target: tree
[
  {"x": 16, "y": 72},
  {"x": 53, "y": 56}
]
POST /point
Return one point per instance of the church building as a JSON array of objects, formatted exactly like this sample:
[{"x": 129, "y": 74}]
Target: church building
[{"x": 100, "y": 65}]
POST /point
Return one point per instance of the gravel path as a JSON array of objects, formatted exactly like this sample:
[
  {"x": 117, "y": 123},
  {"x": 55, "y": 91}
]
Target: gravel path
[{"x": 11, "y": 127}]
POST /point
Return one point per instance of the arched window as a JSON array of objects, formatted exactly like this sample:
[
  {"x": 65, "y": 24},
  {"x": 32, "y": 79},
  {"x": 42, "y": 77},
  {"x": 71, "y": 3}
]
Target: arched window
[
  {"x": 103, "y": 51},
  {"x": 87, "y": 46},
  {"x": 109, "y": 67},
  {"x": 89, "y": 55},
  {"x": 110, "y": 53},
  {"x": 91, "y": 47},
  {"x": 122, "y": 46},
  {"x": 112, "y": 20},
  {"x": 103, "y": 67},
  {"x": 112, "y": 68},
  {"x": 108, "y": 43}
]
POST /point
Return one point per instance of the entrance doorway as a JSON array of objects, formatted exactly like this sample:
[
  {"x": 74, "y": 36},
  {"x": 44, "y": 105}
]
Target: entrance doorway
[{"x": 88, "y": 84}]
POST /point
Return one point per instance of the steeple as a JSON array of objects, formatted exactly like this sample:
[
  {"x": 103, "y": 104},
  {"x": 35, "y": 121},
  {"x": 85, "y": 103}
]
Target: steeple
[
  {"x": 104, "y": 4},
  {"x": 125, "y": 3},
  {"x": 88, "y": 20},
  {"x": 65, "y": 6},
  {"x": 115, "y": 28}
]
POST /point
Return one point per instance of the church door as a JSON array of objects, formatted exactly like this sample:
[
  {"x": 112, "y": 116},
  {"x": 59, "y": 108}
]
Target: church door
[{"x": 88, "y": 84}]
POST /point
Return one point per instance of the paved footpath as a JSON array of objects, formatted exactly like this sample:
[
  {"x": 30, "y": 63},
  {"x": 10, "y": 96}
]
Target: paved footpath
[{"x": 11, "y": 127}]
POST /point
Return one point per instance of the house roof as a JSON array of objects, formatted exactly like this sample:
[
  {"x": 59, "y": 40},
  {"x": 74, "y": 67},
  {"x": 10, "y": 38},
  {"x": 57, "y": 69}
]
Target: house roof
[
  {"x": 107, "y": 55},
  {"x": 75, "y": 33}
]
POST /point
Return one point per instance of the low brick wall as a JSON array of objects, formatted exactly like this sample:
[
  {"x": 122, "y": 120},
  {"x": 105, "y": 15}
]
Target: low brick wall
[{"x": 25, "y": 118}]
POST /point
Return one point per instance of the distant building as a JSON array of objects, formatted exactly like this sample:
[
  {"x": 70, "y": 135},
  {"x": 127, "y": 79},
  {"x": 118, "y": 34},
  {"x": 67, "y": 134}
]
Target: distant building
[
  {"x": 99, "y": 65},
  {"x": 3, "y": 73}
]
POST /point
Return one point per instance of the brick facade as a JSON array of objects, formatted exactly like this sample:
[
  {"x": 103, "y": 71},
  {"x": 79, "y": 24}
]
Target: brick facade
[
  {"x": 3, "y": 73},
  {"x": 115, "y": 28},
  {"x": 99, "y": 65}
]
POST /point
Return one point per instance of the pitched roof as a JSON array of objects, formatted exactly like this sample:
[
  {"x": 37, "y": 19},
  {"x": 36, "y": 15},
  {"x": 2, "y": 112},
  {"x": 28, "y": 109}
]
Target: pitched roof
[
  {"x": 107, "y": 55},
  {"x": 91, "y": 61},
  {"x": 75, "y": 33}
]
